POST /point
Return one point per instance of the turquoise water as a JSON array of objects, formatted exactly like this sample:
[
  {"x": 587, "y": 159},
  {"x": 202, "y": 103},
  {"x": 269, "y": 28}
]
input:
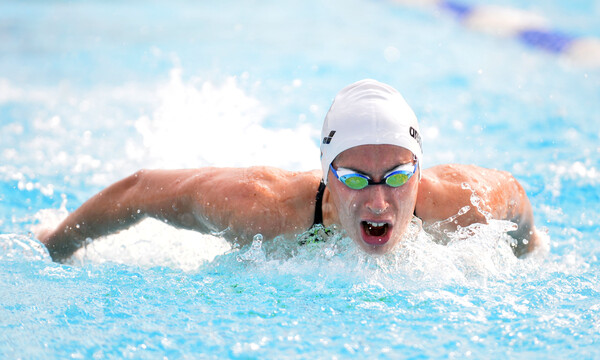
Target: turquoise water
[{"x": 92, "y": 91}]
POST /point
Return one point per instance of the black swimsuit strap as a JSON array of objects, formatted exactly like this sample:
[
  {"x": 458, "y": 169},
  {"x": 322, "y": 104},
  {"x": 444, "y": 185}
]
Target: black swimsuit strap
[{"x": 318, "y": 203}]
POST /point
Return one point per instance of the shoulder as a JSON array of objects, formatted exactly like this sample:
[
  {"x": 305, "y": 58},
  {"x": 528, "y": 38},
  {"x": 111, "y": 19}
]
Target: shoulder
[
  {"x": 268, "y": 184},
  {"x": 442, "y": 179},
  {"x": 296, "y": 189},
  {"x": 256, "y": 180},
  {"x": 445, "y": 189},
  {"x": 270, "y": 179},
  {"x": 450, "y": 174},
  {"x": 258, "y": 199}
]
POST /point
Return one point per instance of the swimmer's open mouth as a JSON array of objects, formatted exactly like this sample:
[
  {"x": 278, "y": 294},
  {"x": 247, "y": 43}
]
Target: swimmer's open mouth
[
  {"x": 375, "y": 228},
  {"x": 375, "y": 233}
]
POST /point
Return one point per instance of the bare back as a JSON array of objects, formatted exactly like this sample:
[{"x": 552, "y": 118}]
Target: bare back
[{"x": 244, "y": 202}]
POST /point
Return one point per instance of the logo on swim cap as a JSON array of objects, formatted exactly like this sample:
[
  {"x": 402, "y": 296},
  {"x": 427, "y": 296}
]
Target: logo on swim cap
[{"x": 327, "y": 139}]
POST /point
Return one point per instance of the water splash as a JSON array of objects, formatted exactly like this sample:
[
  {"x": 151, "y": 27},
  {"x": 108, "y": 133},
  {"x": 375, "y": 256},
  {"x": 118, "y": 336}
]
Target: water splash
[
  {"x": 476, "y": 201},
  {"x": 318, "y": 233},
  {"x": 153, "y": 243},
  {"x": 255, "y": 254},
  {"x": 22, "y": 248},
  {"x": 198, "y": 123},
  {"x": 46, "y": 219},
  {"x": 439, "y": 228},
  {"x": 470, "y": 255},
  {"x": 474, "y": 257}
]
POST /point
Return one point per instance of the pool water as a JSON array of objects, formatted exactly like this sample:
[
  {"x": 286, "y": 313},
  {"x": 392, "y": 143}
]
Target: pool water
[{"x": 93, "y": 91}]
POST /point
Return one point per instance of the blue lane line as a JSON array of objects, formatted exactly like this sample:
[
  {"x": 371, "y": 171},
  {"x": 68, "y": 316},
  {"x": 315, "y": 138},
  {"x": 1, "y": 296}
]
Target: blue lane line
[
  {"x": 459, "y": 10},
  {"x": 550, "y": 40}
]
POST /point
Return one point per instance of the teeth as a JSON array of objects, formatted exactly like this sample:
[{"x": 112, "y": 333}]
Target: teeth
[
  {"x": 375, "y": 224},
  {"x": 375, "y": 228}
]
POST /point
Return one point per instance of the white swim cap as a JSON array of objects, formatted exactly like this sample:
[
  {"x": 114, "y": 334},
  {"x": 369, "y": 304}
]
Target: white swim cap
[{"x": 368, "y": 113}]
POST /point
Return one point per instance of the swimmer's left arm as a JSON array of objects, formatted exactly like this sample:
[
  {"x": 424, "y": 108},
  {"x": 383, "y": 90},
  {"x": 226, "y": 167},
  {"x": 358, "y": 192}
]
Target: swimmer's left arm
[{"x": 445, "y": 189}]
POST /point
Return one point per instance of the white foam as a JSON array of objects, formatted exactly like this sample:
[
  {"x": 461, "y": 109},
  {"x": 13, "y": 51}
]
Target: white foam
[
  {"x": 153, "y": 243},
  {"x": 21, "y": 248},
  {"x": 110, "y": 131},
  {"x": 202, "y": 124},
  {"x": 473, "y": 256},
  {"x": 480, "y": 254},
  {"x": 148, "y": 243}
]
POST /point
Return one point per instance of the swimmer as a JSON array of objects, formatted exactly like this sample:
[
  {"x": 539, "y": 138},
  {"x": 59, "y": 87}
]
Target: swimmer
[{"x": 371, "y": 184}]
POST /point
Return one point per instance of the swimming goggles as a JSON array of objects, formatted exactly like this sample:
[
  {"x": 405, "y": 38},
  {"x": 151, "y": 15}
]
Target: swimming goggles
[{"x": 395, "y": 178}]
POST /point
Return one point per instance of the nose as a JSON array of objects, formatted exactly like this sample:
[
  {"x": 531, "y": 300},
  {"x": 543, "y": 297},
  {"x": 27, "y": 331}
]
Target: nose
[{"x": 377, "y": 202}]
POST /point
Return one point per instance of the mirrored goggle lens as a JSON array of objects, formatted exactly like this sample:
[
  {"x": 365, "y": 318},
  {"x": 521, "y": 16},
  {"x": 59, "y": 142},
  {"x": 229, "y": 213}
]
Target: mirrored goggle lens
[
  {"x": 355, "y": 182},
  {"x": 397, "y": 179}
]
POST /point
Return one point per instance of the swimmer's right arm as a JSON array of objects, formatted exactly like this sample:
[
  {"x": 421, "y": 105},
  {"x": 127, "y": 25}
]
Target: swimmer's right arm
[
  {"x": 117, "y": 207},
  {"x": 242, "y": 202}
]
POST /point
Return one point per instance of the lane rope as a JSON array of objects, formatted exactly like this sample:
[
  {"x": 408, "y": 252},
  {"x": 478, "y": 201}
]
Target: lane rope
[{"x": 528, "y": 28}]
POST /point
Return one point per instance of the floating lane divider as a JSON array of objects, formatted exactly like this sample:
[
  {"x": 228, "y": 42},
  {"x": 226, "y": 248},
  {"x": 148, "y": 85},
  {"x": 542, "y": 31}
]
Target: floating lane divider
[{"x": 529, "y": 28}]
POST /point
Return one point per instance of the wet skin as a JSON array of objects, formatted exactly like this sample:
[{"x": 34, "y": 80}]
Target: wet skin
[
  {"x": 377, "y": 216},
  {"x": 243, "y": 202}
]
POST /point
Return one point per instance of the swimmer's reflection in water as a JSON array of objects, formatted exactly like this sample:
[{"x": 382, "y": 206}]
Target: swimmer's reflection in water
[{"x": 371, "y": 185}]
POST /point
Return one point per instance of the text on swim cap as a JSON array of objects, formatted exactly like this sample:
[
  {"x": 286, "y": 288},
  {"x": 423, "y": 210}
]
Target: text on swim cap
[{"x": 415, "y": 134}]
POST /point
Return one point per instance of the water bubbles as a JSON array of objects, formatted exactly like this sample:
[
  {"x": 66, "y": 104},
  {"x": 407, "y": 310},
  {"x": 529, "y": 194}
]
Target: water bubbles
[
  {"x": 463, "y": 210},
  {"x": 475, "y": 201},
  {"x": 255, "y": 254},
  {"x": 317, "y": 233},
  {"x": 329, "y": 252},
  {"x": 221, "y": 232},
  {"x": 21, "y": 248}
]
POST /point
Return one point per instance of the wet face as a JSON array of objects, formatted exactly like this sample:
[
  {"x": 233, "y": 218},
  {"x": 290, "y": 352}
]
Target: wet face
[{"x": 377, "y": 216}]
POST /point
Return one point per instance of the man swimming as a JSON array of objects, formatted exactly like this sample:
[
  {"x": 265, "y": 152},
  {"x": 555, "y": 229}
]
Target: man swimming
[{"x": 370, "y": 185}]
